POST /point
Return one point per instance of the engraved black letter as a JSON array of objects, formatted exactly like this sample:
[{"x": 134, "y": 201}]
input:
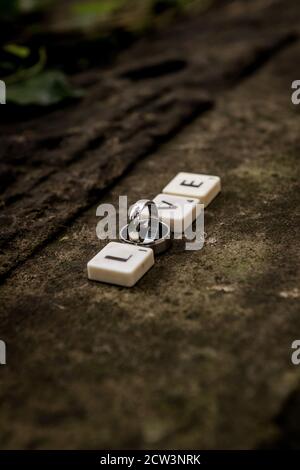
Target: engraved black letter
[{"x": 192, "y": 184}]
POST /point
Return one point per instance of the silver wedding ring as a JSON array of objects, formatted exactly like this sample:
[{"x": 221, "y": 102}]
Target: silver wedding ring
[{"x": 145, "y": 228}]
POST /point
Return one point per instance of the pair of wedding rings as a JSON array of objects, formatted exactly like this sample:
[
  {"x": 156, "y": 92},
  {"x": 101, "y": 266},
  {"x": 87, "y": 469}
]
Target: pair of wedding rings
[{"x": 145, "y": 228}]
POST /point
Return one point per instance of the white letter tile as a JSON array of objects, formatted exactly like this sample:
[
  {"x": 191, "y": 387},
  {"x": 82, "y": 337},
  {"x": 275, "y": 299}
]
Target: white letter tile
[
  {"x": 178, "y": 212},
  {"x": 192, "y": 185},
  {"x": 120, "y": 263}
]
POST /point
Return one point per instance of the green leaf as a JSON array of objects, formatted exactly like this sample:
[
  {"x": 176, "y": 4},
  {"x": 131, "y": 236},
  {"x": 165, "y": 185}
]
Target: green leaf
[
  {"x": 97, "y": 8},
  {"x": 20, "y": 51},
  {"x": 45, "y": 89},
  {"x": 22, "y": 73},
  {"x": 87, "y": 15}
]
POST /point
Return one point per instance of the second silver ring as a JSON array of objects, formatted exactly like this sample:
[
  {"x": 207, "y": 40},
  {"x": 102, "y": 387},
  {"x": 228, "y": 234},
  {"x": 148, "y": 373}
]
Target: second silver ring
[{"x": 143, "y": 228}]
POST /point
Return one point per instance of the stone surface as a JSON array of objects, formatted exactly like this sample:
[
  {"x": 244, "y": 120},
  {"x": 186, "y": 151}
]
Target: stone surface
[{"x": 197, "y": 355}]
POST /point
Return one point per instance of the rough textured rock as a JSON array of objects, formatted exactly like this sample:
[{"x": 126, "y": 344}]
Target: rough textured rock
[
  {"x": 197, "y": 355},
  {"x": 50, "y": 172}
]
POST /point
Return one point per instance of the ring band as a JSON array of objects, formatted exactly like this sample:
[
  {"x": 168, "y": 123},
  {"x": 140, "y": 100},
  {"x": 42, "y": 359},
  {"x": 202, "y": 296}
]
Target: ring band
[
  {"x": 158, "y": 245},
  {"x": 141, "y": 229}
]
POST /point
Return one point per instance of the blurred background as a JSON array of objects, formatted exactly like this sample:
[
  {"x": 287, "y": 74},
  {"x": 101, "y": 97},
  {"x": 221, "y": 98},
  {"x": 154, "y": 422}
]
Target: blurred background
[{"x": 43, "y": 42}]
